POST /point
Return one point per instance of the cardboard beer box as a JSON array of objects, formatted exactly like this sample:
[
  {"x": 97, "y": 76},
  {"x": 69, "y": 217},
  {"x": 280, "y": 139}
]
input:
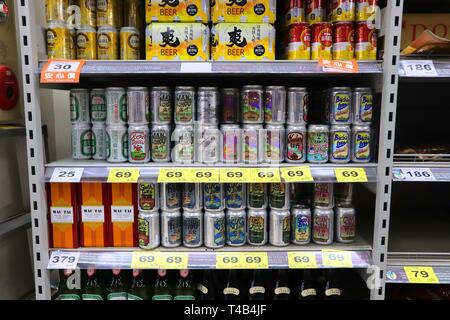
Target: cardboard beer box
[
  {"x": 177, "y": 11},
  {"x": 243, "y": 11}
]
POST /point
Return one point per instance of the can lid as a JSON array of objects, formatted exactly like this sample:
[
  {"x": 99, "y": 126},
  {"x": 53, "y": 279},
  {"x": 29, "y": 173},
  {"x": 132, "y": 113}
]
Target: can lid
[
  {"x": 361, "y": 127},
  {"x": 79, "y": 90},
  {"x": 234, "y": 90},
  {"x": 56, "y": 23},
  {"x": 252, "y": 126},
  {"x": 340, "y": 127},
  {"x": 86, "y": 28},
  {"x": 115, "y": 89},
  {"x": 274, "y": 126},
  {"x": 107, "y": 29},
  {"x": 160, "y": 88},
  {"x": 137, "y": 89},
  {"x": 275, "y": 88},
  {"x": 116, "y": 126},
  {"x": 248, "y": 87},
  {"x": 298, "y": 89},
  {"x": 184, "y": 88},
  {"x": 293, "y": 126},
  {"x": 98, "y": 124},
  {"x": 318, "y": 127},
  {"x": 362, "y": 89},
  {"x": 129, "y": 29},
  {"x": 207, "y": 89},
  {"x": 98, "y": 89},
  {"x": 340, "y": 89},
  {"x": 230, "y": 126}
]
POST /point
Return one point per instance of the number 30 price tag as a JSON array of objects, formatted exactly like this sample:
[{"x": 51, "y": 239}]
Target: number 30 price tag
[
  {"x": 63, "y": 260},
  {"x": 62, "y": 71},
  {"x": 419, "y": 68},
  {"x": 67, "y": 175}
]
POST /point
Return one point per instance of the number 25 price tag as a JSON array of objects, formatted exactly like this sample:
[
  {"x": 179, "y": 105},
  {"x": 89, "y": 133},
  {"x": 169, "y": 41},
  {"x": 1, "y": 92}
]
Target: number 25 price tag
[
  {"x": 67, "y": 175},
  {"x": 123, "y": 175},
  {"x": 419, "y": 68},
  {"x": 350, "y": 175},
  {"x": 63, "y": 260}
]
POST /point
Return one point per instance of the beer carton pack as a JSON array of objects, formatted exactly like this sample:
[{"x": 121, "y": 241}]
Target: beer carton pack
[
  {"x": 177, "y": 11},
  {"x": 177, "y": 41},
  {"x": 243, "y": 41},
  {"x": 243, "y": 11}
]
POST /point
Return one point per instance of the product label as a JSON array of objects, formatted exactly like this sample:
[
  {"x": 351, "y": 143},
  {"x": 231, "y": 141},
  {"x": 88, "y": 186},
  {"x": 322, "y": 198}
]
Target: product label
[
  {"x": 143, "y": 232},
  {"x": 256, "y": 195},
  {"x": 122, "y": 213},
  {"x": 333, "y": 292},
  {"x": 117, "y": 296},
  {"x": 308, "y": 292},
  {"x": 86, "y": 143},
  {"x": 362, "y": 145},
  {"x": 252, "y": 107},
  {"x": 184, "y": 107},
  {"x": 213, "y": 196},
  {"x": 366, "y": 107},
  {"x": 236, "y": 230},
  {"x": 286, "y": 223},
  {"x": 321, "y": 229},
  {"x": 295, "y": 146},
  {"x": 165, "y": 108},
  {"x": 256, "y": 229},
  {"x": 174, "y": 230},
  {"x": 219, "y": 231},
  {"x": 340, "y": 146},
  {"x": 98, "y": 108},
  {"x": 282, "y": 290},
  {"x": 138, "y": 145},
  {"x": 347, "y": 227},
  {"x": 254, "y": 290},
  {"x": 159, "y": 144},
  {"x": 87, "y": 296},
  {"x": 277, "y": 195},
  {"x": 273, "y": 145},
  {"x": 147, "y": 196},
  {"x": 232, "y": 291},
  {"x": 202, "y": 289},
  {"x": 234, "y": 193},
  {"x": 317, "y": 146},
  {"x": 162, "y": 297},
  {"x": 323, "y": 195},
  {"x": 92, "y": 214},
  {"x": 191, "y": 231},
  {"x": 61, "y": 214},
  {"x": 341, "y": 108},
  {"x": 68, "y": 297},
  {"x": 302, "y": 228}
]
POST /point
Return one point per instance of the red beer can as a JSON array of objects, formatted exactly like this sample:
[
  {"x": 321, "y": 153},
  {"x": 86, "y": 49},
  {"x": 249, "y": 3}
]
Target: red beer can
[
  {"x": 299, "y": 47},
  {"x": 315, "y": 11},
  {"x": 295, "y": 11},
  {"x": 322, "y": 41},
  {"x": 342, "y": 10},
  {"x": 366, "y": 10},
  {"x": 343, "y": 41},
  {"x": 366, "y": 41}
]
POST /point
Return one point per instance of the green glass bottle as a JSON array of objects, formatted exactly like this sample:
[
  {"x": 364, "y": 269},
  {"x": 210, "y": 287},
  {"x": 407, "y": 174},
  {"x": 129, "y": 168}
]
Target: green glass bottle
[
  {"x": 161, "y": 289},
  {"x": 67, "y": 289},
  {"x": 117, "y": 289},
  {"x": 185, "y": 289},
  {"x": 139, "y": 289},
  {"x": 93, "y": 289}
]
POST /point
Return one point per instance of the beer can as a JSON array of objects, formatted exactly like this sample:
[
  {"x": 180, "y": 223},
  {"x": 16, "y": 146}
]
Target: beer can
[
  {"x": 363, "y": 104},
  {"x": 279, "y": 196},
  {"x": 109, "y": 13},
  {"x": 340, "y": 144},
  {"x": 192, "y": 228},
  {"x": 366, "y": 41},
  {"x": 318, "y": 143},
  {"x": 280, "y": 227},
  {"x": 322, "y": 41},
  {"x": 296, "y": 143},
  {"x": 81, "y": 141},
  {"x": 183, "y": 137},
  {"x": 184, "y": 105},
  {"x": 230, "y": 111},
  {"x": 130, "y": 44},
  {"x": 161, "y": 105},
  {"x": 299, "y": 46},
  {"x": 342, "y": 10},
  {"x": 275, "y": 105},
  {"x": 160, "y": 142},
  {"x": 148, "y": 230},
  {"x": 99, "y": 141},
  {"x": 193, "y": 196},
  {"x": 252, "y": 143},
  {"x": 322, "y": 228},
  {"x": 58, "y": 40},
  {"x": 98, "y": 106},
  {"x": 274, "y": 143},
  {"x": 116, "y": 106},
  {"x": 315, "y": 11},
  {"x": 214, "y": 196},
  {"x": 214, "y": 229},
  {"x": 73, "y": 43},
  {"x": 257, "y": 195},
  {"x": 235, "y": 196},
  {"x": 343, "y": 41},
  {"x": 207, "y": 105},
  {"x": 171, "y": 228},
  {"x": 298, "y": 99},
  {"x": 340, "y": 105},
  {"x": 138, "y": 105},
  {"x": 252, "y": 104},
  {"x": 116, "y": 143},
  {"x": 88, "y": 12},
  {"x": 232, "y": 143},
  {"x": 170, "y": 196},
  {"x": 257, "y": 227},
  {"x": 361, "y": 143},
  {"x": 148, "y": 196},
  {"x": 295, "y": 11},
  {"x": 107, "y": 43},
  {"x": 323, "y": 195},
  {"x": 133, "y": 13},
  {"x": 236, "y": 227},
  {"x": 343, "y": 193},
  {"x": 79, "y": 106},
  {"x": 208, "y": 144},
  {"x": 56, "y": 10},
  {"x": 366, "y": 10},
  {"x": 301, "y": 225},
  {"x": 139, "y": 143},
  {"x": 345, "y": 221}
]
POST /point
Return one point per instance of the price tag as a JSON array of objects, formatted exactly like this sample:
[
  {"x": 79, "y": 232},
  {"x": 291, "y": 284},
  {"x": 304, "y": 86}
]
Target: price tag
[
  {"x": 265, "y": 175},
  {"x": 168, "y": 260},
  {"x": 123, "y": 175},
  {"x": 174, "y": 175},
  {"x": 196, "y": 67},
  {"x": 421, "y": 275},
  {"x": 297, "y": 174},
  {"x": 302, "y": 260},
  {"x": 144, "y": 260},
  {"x": 350, "y": 175},
  {"x": 337, "y": 259},
  {"x": 62, "y": 71},
  {"x": 339, "y": 66},
  {"x": 63, "y": 260},
  {"x": 255, "y": 260},
  {"x": 67, "y": 175},
  {"x": 205, "y": 175},
  {"x": 414, "y": 174},
  {"x": 234, "y": 175},
  {"x": 419, "y": 68},
  {"x": 228, "y": 260}
]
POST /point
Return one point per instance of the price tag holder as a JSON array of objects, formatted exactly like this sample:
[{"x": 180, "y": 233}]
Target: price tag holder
[
  {"x": 174, "y": 175},
  {"x": 350, "y": 175},
  {"x": 205, "y": 175},
  {"x": 265, "y": 175},
  {"x": 168, "y": 260},
  {"x": 414, "y": 174},
  {"x": 63, "y": 260},
  {"x": 123, "y": 175},
  {"x": 234, "y": 175},
  {"x": 297, "y": 174},
  {"x": 339, "y": 66},
  {"x": 229, "y": 260},
  {"x": 144, "y": 260},
  {"x": 255, "y": 260},
  {"x": 69, "y": 175},
  {"x": 337, "y": 259},
  {"x": 419, "y": 68},
  {"x": 421, "y": 275},
  {"x": 196, "y": 67},
  {"x": 302, "y": 260},
  {"x": 62, "y": 71}
]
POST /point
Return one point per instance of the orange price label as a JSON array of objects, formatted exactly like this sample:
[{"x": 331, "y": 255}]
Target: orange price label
[
  {"x": 339, "y": 65},
  {"x": 62, "y": 71}
]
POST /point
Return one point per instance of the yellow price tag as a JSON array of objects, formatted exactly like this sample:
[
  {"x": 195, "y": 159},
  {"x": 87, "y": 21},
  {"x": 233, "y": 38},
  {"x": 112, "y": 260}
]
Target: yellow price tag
[
  {"x": 302, "y": 260},
  {"x": 337, "y": 259},
  {"x": 234, "y": 175},
  {"x": 350, "y": 174},
  {"x": 265, "y": 175},
  {"x": 297, "y": 174},
  {"x": 255, "y": 260},
  {"x": 421, "y": 275},
  {"x": 205, "y": 175},
  {"x": 144, "y": 260},
  {"x": 174, "y": 175},
  {"x": 169, "y": 260},
  {"x": 123, "y": 175},
  {"x": 228, "y": 260}
]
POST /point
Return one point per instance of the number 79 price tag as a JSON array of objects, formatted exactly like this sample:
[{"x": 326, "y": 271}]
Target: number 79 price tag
[{"x": 63, "y": 260}]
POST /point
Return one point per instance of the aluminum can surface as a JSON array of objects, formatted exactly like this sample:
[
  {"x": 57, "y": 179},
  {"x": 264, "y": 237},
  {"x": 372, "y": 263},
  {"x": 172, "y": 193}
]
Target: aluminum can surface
[
  {"x": 232, "y": 143},
  {"x": 208, "y": 144},
  {"x": 340, "y": 144},
  {"x": 98, "y": 106},
  {"x": 184, "y": 105},
  {"x": 79, "y": 106},
  {"x": 236, "y": 227},
  {"x": 361, "y": 144},
  {"x": 366, "y": 38},
  {"x": 318, "y": 143},
  {"x": 257, "y": 195},
  {"x": 275, "y": 143},
  {"x": 107, "y": 43},
  {"x": 342, "y": 10},
  {"x": 322, "y": 41},
  {"x": 214, "y": 224},
  {"x": 116, "y": 143},
  {"x": 139, "y": 143},
  {"x": 208, "y": 105},
  {"x": 324, "y": 195},
  {"x": 86, "y": 43},
  {"x": 161, "y": 105},
  {"x": 299, "y": 46},
  {"x": 73, "y": 43},
  {"x": 170, "y": 196},
  {"x": 366, "y": 10},
  {"x": 343, "y": 41},
  {"x": 363, "y": 104},
  {"x": 133, "y": 13},
  {"x": 183, "y": 137},
  {"x": 296, "y": 137},
  {"x": 130, "y": 44},
  {"x": 160, "y": 142},
  {"x": 193, "y": 196},
  {"x": 171, "y": 228},
  {"x": 148, "y": 196},
  {"x": 56, "y": 10},
  {"x": 109, "y": 13},
  {"x": 345, "y": 221},
  {"x": 315, "y": 11},
  {"x": 323, "y": 223},
  {"x": 252, "y": 143},
  {"x": 81, "y": 141},
  {"x": 99, "y": 141},
  {"x": 280, "y": 227},
  {"x": 298, "y": 100},
  {"x": 257, "y": 227},
  {"x": 252, "y": 104},
  {"x": 279, "y": 196},
  {"x": 340, "y": 105},
  {"x": 88, "y": 12},
  {"x": 230, "y": 100},
  {"x": 58, "y": 40},
  {"x": 138, "y": 105},
  {"x": 301, "y": 225},
  {"x": 295, "y": 11},
  {"x": 148, "y": 230},
  {"x": 192, "y": 228},
  {"x": 116, "y": 106},
  {"x": 214, "y": 196},
  {"x": 235, "y": 196},
  {"x": 275, "y": 105}
]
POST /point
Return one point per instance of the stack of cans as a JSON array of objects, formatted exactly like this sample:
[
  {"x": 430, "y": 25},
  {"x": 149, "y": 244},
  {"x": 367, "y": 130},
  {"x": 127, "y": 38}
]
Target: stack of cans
[
  {"x": 149, "y": 218},
  {"x": 82, "y": 137},
  {"x": 138, "y": 105},
  {"x": 116, "y": 125},
  {"x": 161, "y": 112}
]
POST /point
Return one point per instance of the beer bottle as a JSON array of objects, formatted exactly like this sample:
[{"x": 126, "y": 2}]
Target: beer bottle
[
  {"x": 206, "y": 287},
  {"x": 231, "y": 290},
  {"x": 307, "y": 287},
  {"x": 161, "y": 289},
  {"x": 281, "y": 290},
  {"x": 93, "y": 289},
  {"x": 184, "y": 289},
  {"x": 257, "y": 289},
  {"x": 67, "y": 289},
  {"x": 139, "y": 289},
  {"x": 333, "y": 289},
  {"x": 117, "y": 287}
]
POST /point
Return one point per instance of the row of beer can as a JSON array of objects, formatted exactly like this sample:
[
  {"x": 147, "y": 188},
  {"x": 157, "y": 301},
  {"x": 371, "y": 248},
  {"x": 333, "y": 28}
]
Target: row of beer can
[{"x": 237, "y": 227}]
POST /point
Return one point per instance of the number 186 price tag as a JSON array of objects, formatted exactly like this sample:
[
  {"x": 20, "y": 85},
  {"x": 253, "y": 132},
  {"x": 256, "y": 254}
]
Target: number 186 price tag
[
  {"x": 63, "y": 260},
  {"x": 419, "y": 68},
  {"x": 67, "y": 175},
  {"x": 414, "y": 174}
]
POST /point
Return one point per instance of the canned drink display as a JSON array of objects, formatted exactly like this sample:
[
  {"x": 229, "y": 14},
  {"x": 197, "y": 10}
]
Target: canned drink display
[
  {"x": 176, "y": 11},
  {"x": 299, "y": 47},
  {"x": 274, "y": 143},
  {"x": 275, "y": 105},
  {"x": 244, "y": 11},
  {"x": 148, "y": 230},
  {"x": 148, "y": 196},
  {"x": 323, "y": 224},
  {"x": 322, "y": 41},
  {"x": 257, "y": 227},
  {"x": 130, "y": 43},
  {"x": 232, "y": 143},
  {"x": 171, "y": 228},
  {"x": 252, "y": 143},
  {"x": 280, "y": 227},
  {"x": 79, "y": 106},
  {"x": 252, "y": 104},
  {"x": 184, "y": 105},
  {"x": 340, "y": 105},
  {"x": 279, "y": 196},
  {"x": 363, "y": 104},
  {"x": 208, "y": 144},
  {"x": 361, "y": 139},
  {"x": 193, "y": 196},
  {"x": 230, "y": 111},
  {"x": 366, "y": 10},
  {"x": 116, "y": 143},
  {"x": 343, "y": 193},
  {"x": 86, "y": 43},
  {"x": 99, "y": 141},
  {"x": 343, "y": 40},
  {"x": 160, "y": 142},
  {"x": 318, "y": 143},
  {"x": 161, "y": 105},
  {"x": 192, "y": 228},
  {"x": 236, "y": 227},
  {"x": 340, "y": 144},
  {"x": 139, "y": 143},
  {"x": 207, "y": 105},
  {"x": 107, "y": 43},
  {"x": 342, "y": 10},
  {"x": 324, "y": 195},
  {"x": 257, "y": 195},
  {"x": 98, "y": 106},
  {"x": 132, "y": 13},
  {"x": 109, "y": 13},
  {"x": 138, "y": 105},
  {"x": 116, "y": 106},
  {"x": 81, "y": 141},
  {"x": 295, "y": 11},
  {"x": 56, "y": 10},
  {"x": 214, "y": 223},
  {"x": 315, "y": 11},
  {"x": 235, "y": 196},
  {"x": 170, "y": 196},
  {"x": 345, "y": 222},
  {"x": 298, "y": 100},
  {"x": 296, "y": 143},
  {"x": 214, "y": 196},
  {"x": 58, "y": 40},
  {"x": 183, "y": 137},
  {"x": 301, "y": 225},
  {"x": 88, "y": 12},
  {"x": 366, "y": 41}
]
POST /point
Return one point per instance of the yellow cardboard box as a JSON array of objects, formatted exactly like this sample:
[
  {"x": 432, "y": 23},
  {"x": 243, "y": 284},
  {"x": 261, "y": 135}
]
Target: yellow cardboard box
[
  {"x": 177, "y": 11},
  {"x": 244, "y": 11}
]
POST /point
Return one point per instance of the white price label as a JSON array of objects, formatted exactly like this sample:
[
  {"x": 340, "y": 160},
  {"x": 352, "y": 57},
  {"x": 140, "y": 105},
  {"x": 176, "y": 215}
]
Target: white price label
[
  {"x": 196, "y": 67},
  {"x": 61, "y": 215},
  {"x": 122, "y": 213},
  {"x": 419, "y": 68},
  {"x": 67, "y": 175},
  {"x": 63, "y": 66},
  {"x": 414, "y": 174},
  {"x": 63, "y": 260},
  {"x": 92, "y": 214}
]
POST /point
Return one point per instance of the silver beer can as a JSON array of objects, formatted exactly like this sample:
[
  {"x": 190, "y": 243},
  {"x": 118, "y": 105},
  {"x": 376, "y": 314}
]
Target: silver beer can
[
  {"x": 184, "y": 105},
  {"x": 324, "y": 195},
  {"x": 98, "y": 106},
  {"x": 296, "y": 138},
  {"x": 236, "y": 226},
  {"x": 160, "y": 142},
  {"x": 301, "y": 225},
  {"x": 79, "y": 106},
  {"x": 345, "y": 222},
  {"x": 148, "y": 230},
  {"x": 363, "y": 105},
  {"x": 252, "y": 143},
  {"x": 318, "y": 143},
  {"x": 116, "y": 106},
  {"x": 161, "y": 105},
  {"x": 138, "y": 103},
  {"x": 297, "y": 110},
  {"x": 183, "y": 150},
  {"x": 139, "y": 143},
  {"x": 322, "y": 228},
  {"x": 257, "y": 227},
  {"x": 208, "y": 105},
  {"x": 275, "y": 105},
  {"x": 257, "y": 195},
  {"x": 339, "y": 105},
  {"x": 99, "y": 141},
  {"x": 208, "y": 144},
  {"x": 280, "y": 227},
  {"x": 193, "y": 196},
  {"x": 170, "y": 196},
  {"x": 343, "y": 193},
  {"x": 280, "y": 195},
  {"x": 340, "y": 146},
  {"x": 116, "y": 143},
  {"x": 235, "y": 196},
  {"x": 192, "y": 228},
  {"x": 171, "y": 228},
  {"x": 231, "y": 143},
  {"x": 214, "y": 224},
  {"x": 252, "y": 104},
  {"x": 148, "y": 196},
  {"x": 274, "y": 143},
  {"x": 361, "y": 144},
  {"x": 214, "y": 196},
  {"x": 82, "y": 141}
]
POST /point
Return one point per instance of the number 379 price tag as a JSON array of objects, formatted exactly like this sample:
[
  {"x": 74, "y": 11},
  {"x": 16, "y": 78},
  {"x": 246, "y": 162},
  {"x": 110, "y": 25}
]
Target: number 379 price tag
[{"x": 63, "y": 260}]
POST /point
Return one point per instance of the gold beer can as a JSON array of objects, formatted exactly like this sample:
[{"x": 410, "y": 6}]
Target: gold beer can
[
  {"x": 73, "y": 43},
  {"x": 56, "y": 10},
  {"x": 109, "y": 13},
  {"x": 58, "y": 40},
  {"x": 132, "y": 16},
  {"x": 107, "y": 43},
  {"x": 130, "y": 44},
  {"x": 87, "y": 43},
  {"x": 88, "y": 11}
]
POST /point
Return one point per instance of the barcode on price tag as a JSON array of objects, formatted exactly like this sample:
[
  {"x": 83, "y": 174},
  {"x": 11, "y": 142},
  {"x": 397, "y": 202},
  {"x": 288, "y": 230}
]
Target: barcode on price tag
[
  {"x": 63, "y": 260},
  {"x": 414, "y": 174},
  {"x": 67, "y": 175},
  {"x": 419, "y": 68}
]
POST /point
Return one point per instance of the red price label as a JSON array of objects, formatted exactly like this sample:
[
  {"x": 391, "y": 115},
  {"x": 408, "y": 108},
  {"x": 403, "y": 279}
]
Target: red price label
[
  {"x": 339, "y": 65},
  {"x": 62, "y": 71}
]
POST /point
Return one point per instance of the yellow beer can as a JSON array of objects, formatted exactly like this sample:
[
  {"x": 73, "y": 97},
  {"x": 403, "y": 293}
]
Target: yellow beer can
[
  {"x": 130, "y": 44},
  {"x": 56, "y": 10},
  {"x": 88, "y": 12},
  {"x": 177, "y": 11},
  {"x": 58, "y": 40},
  {"x": 133, "y": 12},
  {"x": 109, "y": 13},
  {"x": 86, "y": 43},
  {"x": 107, "y": 43},
  {"x": 73, "y": 43},
  {"x": 244, "y": 11}
]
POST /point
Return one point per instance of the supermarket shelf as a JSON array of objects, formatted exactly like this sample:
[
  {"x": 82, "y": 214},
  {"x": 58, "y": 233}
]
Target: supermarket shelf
[
  {"x": 442, "y": 66},
  {"x": 438, "y": 164},
  {"x": 11, "y": 131},
  {"x": 15, "y": 223}
]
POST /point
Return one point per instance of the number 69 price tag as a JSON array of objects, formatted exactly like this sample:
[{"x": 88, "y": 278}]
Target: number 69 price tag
[
  {"x": 63, "y": 260},
  {"x": 350, "y": 175},
  {"x": 67, "y": 175},
  {"x": 228, "y": 260},
  {"x": 123, "y": 175}
]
